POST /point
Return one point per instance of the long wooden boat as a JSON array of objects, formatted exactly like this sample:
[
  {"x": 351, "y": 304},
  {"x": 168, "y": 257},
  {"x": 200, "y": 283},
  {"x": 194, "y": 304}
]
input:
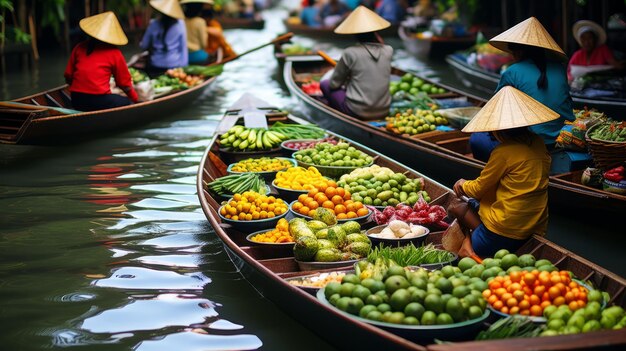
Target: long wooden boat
[
  {"x": 445, "y": 156},
  {"x": 436, "y": 46},
  {"x": 266, "y": 267},
  {"x": 37, "y": 123},
  {"x": 479, "y": 78},
  {"x": 327, "y": 32},
  {"x": 241, "y": 23}
]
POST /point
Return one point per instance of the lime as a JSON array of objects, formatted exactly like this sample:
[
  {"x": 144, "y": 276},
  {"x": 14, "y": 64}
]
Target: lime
[
  {"x": 542, "y": 262},
  {"x": 547, "y": 312},
  {"x": 383, "y": 307},
  {"x": 410, "y": 321},
  {"x": 448, "y": 271},
  {"x": 572, "y": 329},
  {"x": 444, "y": 318},
  {"x": 361, "y": 292},
  {"x": 454, "y": 308},
  {"x": 414, "y": 309},
  {"x": 414, "y": 91},
  {"x": 366, "y": 310},
  {"x": 429, "y": 318},
  {"x": 350, "y": 278},
  {"x": 508, "y": 260},
  {"x": 444, "y": 285},
  {"x": 347, "y": 289},
  {"x": 474, "y": 312},
  {"x": 343, "y": 303},
  {"x": 466, "y": 263},
  {"x": 399, "y": 299},
  {"x": 395, "y": 282},
  {"x": 405, "y": 87},
  {"x": 461, "y": 291},
  {"x": 615, "y": 312},
  {"x": 396, "y": 270},
  {"x": 513, "y": 269},
  {"x": 445, "y": 298},
  {"x": 549, "y": 332},
  {"x": 577, "y": 321},
  {"x": 526, "y": 260},
  {"x": 383, "y": 295},
  {"x": 480, "y": 286},
  {"x": 491, "y": 262},
  {"x": 472, "y": 300},
  {"x": 434, "y": 291},
  {"x": 556, "y": 324},
  {"x": 607, "y": 322},
  {"x": 374, "y": 300},
  {"x": 595, "y": 295},
  {"x": 501, "y": 253},
  {"x": 433, "y": 303},
  {"x": 546, "y": 268},
  {"x": 331, "y": 289},
  {"x": 407, "y": 77},
  {"x": 333, "y": 299},
  {"x": 419, "y": 282},
  {"x": 418, "y": 296},
  {"x": 489, "y": 273},
  {"x": 591, "y": 325},
  {"x": 355, "y": 305},
  {"x": 396, "y": 318},
  {"x": 456, "y": 282},
  {"x": 375, "y": 315}
]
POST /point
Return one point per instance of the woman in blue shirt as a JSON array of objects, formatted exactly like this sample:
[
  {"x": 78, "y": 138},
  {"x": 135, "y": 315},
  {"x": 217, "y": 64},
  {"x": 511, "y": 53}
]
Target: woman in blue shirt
[
  {"x": 166, "y": 38},
  {"x": 538, "y": 72},
  {"x": 310, "y": 15}
]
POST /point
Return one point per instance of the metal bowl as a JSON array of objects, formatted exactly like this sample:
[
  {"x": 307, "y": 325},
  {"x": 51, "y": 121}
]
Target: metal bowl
[
  {"x": 268, "y": 175},
  {"x": 254, "y": 225},
  {"x": 313, "y": 266},
  {"x": 417, "y": 241},
  {"x": 421, "y": 333},
  {"x": 361, "y": 219},
  {"x": 313, "y": 290},
  {"x": 250, "y": 236}
]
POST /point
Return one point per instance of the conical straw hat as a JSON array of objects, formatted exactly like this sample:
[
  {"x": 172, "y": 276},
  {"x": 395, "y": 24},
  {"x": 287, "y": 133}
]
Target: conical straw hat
[
  {"x": 583, "y": 26},
  {"x": 362, "y": 20},
  {"x": 210, "y": 2},
  {"x": 169, "y": 8},
  {"x": 509, "y": 108},
  {"x": 529, "y": 32},
  {"x": 104, "y": 27}
]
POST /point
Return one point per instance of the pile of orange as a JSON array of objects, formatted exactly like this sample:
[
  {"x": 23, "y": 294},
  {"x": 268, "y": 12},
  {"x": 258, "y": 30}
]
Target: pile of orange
[
  {"x": 250, "y": 206},
  {"x": 529, "y": 293},
  {"x": 334, "y": 198},
  {"x": 280, "y": 234}
]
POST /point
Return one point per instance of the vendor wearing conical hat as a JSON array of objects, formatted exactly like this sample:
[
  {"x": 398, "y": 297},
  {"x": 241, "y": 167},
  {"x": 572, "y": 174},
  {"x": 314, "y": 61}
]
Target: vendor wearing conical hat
[
  {"x": 166, "y": 37},
  {"x": 197, "y": 35},
  {"x": 94, "y": 61},
  {"x": 593, "y": 50},
  {"x": 359, "y": 85},
  {"x": 513, "y": 187},
  {"x": 538, "y": 71}
]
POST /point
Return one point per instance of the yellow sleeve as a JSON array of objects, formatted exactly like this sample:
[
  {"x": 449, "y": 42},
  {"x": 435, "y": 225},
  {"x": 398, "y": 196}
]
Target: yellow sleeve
[{"x": 489, "y": 177}]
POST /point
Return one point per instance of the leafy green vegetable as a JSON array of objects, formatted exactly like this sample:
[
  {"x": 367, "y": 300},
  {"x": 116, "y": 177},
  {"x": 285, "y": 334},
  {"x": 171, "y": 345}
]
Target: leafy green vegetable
[
  {"x": 511, "y": 327},
  {"x": 410, "y": 255}
]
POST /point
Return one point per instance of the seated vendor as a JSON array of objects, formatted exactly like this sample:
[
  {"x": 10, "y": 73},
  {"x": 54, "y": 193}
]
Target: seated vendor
[
  {"x": 593, "y": 50},
  {"x": 197, "y": 35},
  {"x": 333, "y": 12},
  {"x": 309, "y": 15},
  {"x": 359, "y": 86}
]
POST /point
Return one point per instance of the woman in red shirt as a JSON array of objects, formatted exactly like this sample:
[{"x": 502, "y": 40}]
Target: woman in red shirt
[
  {"x": 94, "y": 61},
  {"x": 593, "y": 52}
]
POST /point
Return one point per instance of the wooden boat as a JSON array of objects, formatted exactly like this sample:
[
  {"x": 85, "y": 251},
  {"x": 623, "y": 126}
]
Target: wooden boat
[
  {"x": 36, "y": 123},
  {"x": 445, "y": 156},
  {"x": 479, "y": 78},
  {"x": 327, "y": 33},
  {"x": 241, "y": 23},
  {"x": 267, "y": 267},
  {"x": 435, "y": 46}
]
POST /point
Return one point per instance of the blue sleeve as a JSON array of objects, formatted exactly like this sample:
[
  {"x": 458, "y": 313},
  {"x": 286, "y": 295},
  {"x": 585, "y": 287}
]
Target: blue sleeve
[
  {"x": 146, "y": 41},
  {"x": 183, "y": 44},
  {"x": 505, "y": 79}
]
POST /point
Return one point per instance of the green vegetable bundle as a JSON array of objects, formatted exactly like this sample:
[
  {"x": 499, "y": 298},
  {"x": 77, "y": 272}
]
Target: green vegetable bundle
[
  {"x": 410, "y": 255},
  {"x": 167, "y": 81},
  {"x": 241, "y": 138},
  {"x": 205, "y": 71},
  {"x": 511, "y": 327},
  {"x": 299, "y": 131},
  {"x": 609, "y": 131},
  {"x": 237, "y": 184}
]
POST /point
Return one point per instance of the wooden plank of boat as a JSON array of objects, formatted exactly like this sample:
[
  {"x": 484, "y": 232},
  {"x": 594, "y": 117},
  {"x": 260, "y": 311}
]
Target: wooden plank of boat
[
  {"x": 327, "y": 32},
  {"x": 442, "y": 155},
  {"x": 266, "y": 267},
  {"x": 240, "y": 23},
  {"x": 477, "y": 77},
  {"x": 435, "y": 46}
]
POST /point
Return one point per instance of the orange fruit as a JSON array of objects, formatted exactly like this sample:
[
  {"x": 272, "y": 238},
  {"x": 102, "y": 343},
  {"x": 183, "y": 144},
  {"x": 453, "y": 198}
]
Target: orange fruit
[
  {"x": 342, "y": 216},
  {"x": 555, "y": 279},
  {"x": 329, "y": 205},
  {"x": 340, "y": 209},
  {"x": 514, "y": 287},
  {"x": 486, "y": 294},
  {"x": 362, "y": 211},
  {"x": 529, "y": 279},
  {"x": 554, "y": 292},
  {"x": 534, "y": 300},
  {"x": 304, "y": 210},
  {"x": 523, "y": 305},
  {"x": 302, "y": 198},
  {"x": 330, "y": 192},
  {"x": 558, "y": 301},
  {"x": 539, "y": 290},
  {"x": 516, "y": 276},
  {"x": 337, "y": 199},
  {"x": 545, "y": 304},
  {"x": 569, "y": 297},
  {"x": 340, "y": 192},
  {"x": 494, "y": 284},
  {"x": 498, "y": 305},
  {"x": 573, "y": 305},
  {"x": 349, "y": 207},
  {"x": 332, "y": 183},
  {"x": 536, "y": 311},
  {"x": 499, "y": 292},
  {"x": 514, "y": 310},
  {"x": 511, "y": 302},
  {"x": 524, "y": 312},
  {"x": 358, "y": 205},
  {"x": 312, "y": 192},
  {"x": 506, "y": 296},
  {"x": 352, "y": 214},
  {"x": 504, "y": 310},
  {"x": 518, "y": 295},
  {"x": 492, "y": 299},
  {"x": 313, "y": 205},
  {"x": 347, "y": 195},
  {"x": 562, "y": 288}
]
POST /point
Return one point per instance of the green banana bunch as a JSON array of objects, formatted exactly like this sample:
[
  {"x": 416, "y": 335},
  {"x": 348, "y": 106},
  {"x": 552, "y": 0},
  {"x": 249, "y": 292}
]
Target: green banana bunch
[{"x": 241, "y": 138}]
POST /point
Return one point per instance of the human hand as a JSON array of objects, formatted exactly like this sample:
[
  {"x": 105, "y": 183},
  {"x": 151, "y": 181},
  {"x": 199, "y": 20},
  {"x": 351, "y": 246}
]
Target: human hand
[{"x": 458, "y": 187}]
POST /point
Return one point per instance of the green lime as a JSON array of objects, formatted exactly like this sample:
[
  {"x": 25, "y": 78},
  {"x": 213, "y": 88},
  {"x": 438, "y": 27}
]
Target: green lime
[
  {"x": 501, "y": 253},
  {"x": 556, "y": 324},
  {"x": 526, "y": 260},
  {"x": 429, "y": 318},
  {"x": 366, "y": 310},
  {"x": 410, "y": 321},
  {"x": 396, "y": 270},
  {"x": 374, "y": 300},
  {"x": 347, "y": 289},
  {"x": 474, "y": 312},
  {"x": 418, "y": 296},
  {"x": 570, "y": 329},
  {"x": 480, "y": 286},
  {"x": 595, "y": 295},
  {"x": 383, "y": 295},
  {"x": 607, "y": 322},
  {"x": 508, "y": 260},
  {"x": 419, "y": 282},
  {"x": 577, "y": 321},
  {"x": 466, "y": 263},
  {"x": 444, "y": 285},
  {"x": 461, "y": 291},
  {"x": 331, "y": 289},
  {"x": 414, "y": 309},
  {"x": 447, "y": 271},
  {"x": 396, "y": 318},
  {"x": 444, "y": 318},
  {"x": 375, "y": 315},
  {"x": 361, "y": 292},
  {"x": 547, "y": 268},
  {"x": 549, "y": 332},
  {"x": 433, "y": 303},
  {"x": 383, "y": 307},
  {"x": 547, "y": 312},
  {"x": 542, "y": 262},
  {"x": 355, "y": 305},
  {"x": 333, "y": 299},
  {"x": 350, "y": 278},
  {"x": 491, "y": 262},
  {"x": 591, "y": 325},
  {"x": 396, "y": 282},
  {"x": 454, "y": 308},
  {"x": 399, "y": 299},
  {"x": 343, "y": 303}
]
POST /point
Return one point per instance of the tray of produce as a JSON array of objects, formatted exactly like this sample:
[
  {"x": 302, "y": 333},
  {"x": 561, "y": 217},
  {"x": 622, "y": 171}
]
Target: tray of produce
[
  {"x": 266, "y": 167},
  {"x": 431, "y": 216},
  {"x": 415, "y": 121},
  {"x": 381, "y": 187},
  {"x": 239, "y": 143},
  {"x": 323, "y": 243},
  {"x": 329, "y": 196},
  {"x": 227, "y": 186},
  {"x": 333, "y": 160},
  {"x": 251, "y": 211},
  {"x": 313, "y": 282},
  {"x": 294, "y": 145},
  {"x": 411, "y": 256},
  {"x": 397, "y": 233},
  {"x": 279, "y": 236},
  {"x": 403, "y": 303},
  {"x": 362, "y": 213},
  {"x": 296, "y": 181}
]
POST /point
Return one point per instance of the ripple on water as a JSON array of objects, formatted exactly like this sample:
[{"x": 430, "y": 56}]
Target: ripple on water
[
  {"x": 159, "y": 203},
  {"x": 187, "y": 170},
  {"x": 151, "y": 279},
  {"x": 184, "y": 180},
  {"x": 201, "y": 342},
  {"x": 186, "y": 261},
  {"x": 172, "y": 241},
  {"x": 166, "y": 188},
  {"x": 162, "y": 311}
]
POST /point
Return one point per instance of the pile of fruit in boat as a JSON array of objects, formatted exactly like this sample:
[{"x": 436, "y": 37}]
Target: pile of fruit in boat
[
  {"x": 327, "y": 154},
  {"x": 416, "y": 121},
  {"x": 251, "y": 206}
]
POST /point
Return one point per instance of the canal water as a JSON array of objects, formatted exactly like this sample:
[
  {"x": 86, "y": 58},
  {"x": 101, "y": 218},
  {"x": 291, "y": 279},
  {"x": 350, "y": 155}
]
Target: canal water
[{"x": 103, "y": 245}]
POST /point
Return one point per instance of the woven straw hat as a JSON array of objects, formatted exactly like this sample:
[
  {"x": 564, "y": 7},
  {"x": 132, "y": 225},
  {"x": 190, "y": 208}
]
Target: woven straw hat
[
  {"x": 581, "y": 27},
  {"x": 362, "y": 20},
  {"x": 210, "y": 2},
  {"x": 509, "y": 108},
  {"x": 169, "y": 8},
  {"x": 529, "y": 32},
  {"x": 104, "y": 27}
]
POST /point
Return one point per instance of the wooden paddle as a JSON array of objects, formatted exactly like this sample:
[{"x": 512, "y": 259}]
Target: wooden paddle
[
  {"x": 279, "y": 39},
  {"x": 327, "y": 58}
]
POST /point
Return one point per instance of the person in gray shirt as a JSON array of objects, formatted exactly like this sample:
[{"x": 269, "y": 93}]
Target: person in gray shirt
[{"x": 359, "y": 85}]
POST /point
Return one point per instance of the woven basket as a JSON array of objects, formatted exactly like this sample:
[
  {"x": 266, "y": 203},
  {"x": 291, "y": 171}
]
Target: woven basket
[{"x": 606, "y": 154}]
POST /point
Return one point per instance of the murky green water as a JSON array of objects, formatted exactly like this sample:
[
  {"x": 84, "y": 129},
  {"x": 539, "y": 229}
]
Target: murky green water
[{"x": 103, "y": 245}]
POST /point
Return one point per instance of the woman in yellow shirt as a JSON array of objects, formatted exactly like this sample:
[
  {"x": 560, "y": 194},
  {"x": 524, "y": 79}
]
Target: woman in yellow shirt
[
  {"x": 513, "y": 187},
  {"x": 197, "y": 34}
]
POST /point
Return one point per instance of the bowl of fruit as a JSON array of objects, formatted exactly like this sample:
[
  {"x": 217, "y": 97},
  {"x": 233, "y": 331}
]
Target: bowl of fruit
[
  {"x": 251, "y": 211},
  {"x": 334, "y": 199},
  {"x": 266, "y": 167},
  {"x": 294, "y": 145},
  {"x": 333, "y": 160},
  {"x": 296, "y": 181}
]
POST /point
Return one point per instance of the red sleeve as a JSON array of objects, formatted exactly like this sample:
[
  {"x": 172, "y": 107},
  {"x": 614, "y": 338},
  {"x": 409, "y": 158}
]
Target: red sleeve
[
  {"x": 120, "y": 71},
  {"x": 578, "y": 58},
  {"x": 69, "y": 70},
  {"x": 606, "y": 54}
]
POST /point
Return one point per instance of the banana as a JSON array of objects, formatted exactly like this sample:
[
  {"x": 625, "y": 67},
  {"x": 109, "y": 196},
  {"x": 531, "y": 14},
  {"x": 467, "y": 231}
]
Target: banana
[
  {"x": 237, "y": 130},
  {"x": 252, "y": 136},
  {"x": 280, "y": 135},
  {"x": 244, "y": 134},
  {"x": 243, "y": 145},
  {"x": 236, "y": 143},
  {"x": 273, "y": 137},
  {"x": 266, "y": 141},
  {"x": 259, "y": 139},
  {"x": 225, "y": 135},
  {"x": 231, "y": 138}
]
